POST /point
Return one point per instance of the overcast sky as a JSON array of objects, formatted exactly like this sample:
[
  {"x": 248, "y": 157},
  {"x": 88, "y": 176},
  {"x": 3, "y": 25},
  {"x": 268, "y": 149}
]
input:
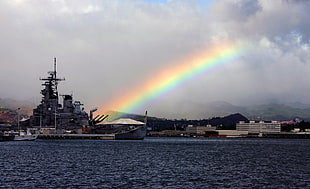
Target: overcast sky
[{"x": 103, "y": 46}]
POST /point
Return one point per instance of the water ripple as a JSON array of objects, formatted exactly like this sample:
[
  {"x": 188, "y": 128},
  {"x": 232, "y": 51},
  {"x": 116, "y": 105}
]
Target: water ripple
[{"x": 156, "y": 163}]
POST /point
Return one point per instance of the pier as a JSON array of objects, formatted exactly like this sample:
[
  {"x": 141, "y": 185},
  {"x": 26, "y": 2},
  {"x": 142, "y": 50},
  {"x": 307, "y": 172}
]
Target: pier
[{"x": 78, "y": 136}]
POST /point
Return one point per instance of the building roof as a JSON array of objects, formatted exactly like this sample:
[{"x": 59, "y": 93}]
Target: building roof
[{"x": 123, "y": 121}]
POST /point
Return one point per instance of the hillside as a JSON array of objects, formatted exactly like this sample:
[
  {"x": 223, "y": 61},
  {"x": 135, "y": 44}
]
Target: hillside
[
  {"x": 194, "y": 111},
  {"x": 7, "y": 116},
  {"x": 25, "y": 106},
  {"x": 9, "y": 108},
  {"x": 226, "y": 122},
  {"x": 279, "y": 112},
  {"x": 273, "y": 111}
]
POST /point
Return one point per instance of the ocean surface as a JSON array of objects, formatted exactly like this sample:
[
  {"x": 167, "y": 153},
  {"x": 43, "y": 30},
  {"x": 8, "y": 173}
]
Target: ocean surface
[{"x": 156, "y": 163}]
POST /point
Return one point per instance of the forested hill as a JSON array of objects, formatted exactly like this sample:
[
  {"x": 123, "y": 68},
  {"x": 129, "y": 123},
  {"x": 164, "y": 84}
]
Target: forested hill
[
  {"x": 9, "y": 108},
  {"x": 7, "y": 116},
  {"x": 158, "y": 124}
]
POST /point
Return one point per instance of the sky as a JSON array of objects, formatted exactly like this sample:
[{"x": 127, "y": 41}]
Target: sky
[{"x": 105, "y": 49}]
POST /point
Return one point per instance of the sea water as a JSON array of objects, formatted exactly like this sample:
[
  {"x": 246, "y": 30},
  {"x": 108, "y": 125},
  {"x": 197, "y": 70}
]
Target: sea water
[{"x": 156, "y": 163}]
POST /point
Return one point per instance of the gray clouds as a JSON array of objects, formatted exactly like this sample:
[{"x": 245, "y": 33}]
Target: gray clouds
[{"x": 105, "y": 46}]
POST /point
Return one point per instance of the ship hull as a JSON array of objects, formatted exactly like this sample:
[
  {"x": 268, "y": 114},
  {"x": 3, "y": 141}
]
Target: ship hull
[
  {"x": 6, "y": 138},
  {"x": 18, "y": 138},
  {"x": 124, "y": 132},
  {"x": 135, "y": 134}
]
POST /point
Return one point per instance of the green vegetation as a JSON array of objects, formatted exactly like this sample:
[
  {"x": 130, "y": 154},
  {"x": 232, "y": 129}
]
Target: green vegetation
[
  {"x": 303, "y": 125},
  {"x": 7, "y": 116},
  {"x": 225, "y": 123}
]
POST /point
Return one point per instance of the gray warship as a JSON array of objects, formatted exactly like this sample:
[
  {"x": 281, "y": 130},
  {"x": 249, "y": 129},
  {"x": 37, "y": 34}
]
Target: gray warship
[{"x": 70, "y": 116}]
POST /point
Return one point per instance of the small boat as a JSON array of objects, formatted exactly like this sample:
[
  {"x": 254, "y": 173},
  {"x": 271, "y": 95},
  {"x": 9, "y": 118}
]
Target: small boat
[
  {"x": 18, "y": 136},
  {"x": 24, "y": 136}
]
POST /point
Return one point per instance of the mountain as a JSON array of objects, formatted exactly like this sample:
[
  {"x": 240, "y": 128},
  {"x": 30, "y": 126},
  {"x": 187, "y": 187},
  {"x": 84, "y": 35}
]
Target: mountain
[
  {"x": 196, "y": 111},
  {"x": 26, "y": 107},
  {"x": 222, "y": 108},
  {"x": 227, "y": 122},
  {"x": 298, "y": 105},
  {"x": 279, "y": 112},
  {"x": 9, "y": 110},
  {"x": 271, "y": 111}
]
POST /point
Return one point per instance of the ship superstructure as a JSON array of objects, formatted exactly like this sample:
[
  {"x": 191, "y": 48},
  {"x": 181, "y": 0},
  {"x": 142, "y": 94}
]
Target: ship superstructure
[{"x": 50, "y": 113}]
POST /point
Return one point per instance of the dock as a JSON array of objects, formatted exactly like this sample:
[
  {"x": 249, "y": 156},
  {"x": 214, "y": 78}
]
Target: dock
[{"x": 78, "y": 136}]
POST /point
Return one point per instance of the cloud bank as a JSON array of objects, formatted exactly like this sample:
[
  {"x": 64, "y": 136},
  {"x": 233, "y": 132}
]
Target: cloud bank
[{"x": 105, "y": 47}]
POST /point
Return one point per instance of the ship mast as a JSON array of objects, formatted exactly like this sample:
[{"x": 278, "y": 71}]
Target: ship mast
[
  {"x": 52, "y": 82},
  {"x": 55, "y": 72},
  {"x": 50, "y": 93},
  {"x": 56, "y": 83}
]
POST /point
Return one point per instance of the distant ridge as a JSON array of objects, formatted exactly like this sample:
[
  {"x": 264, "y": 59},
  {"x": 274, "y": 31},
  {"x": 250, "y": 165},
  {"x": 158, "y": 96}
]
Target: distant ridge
[
  {"x": 190, "y": 110},
  {"x": 226, "y": 122},
  {"x": 9, "y": 107},
  {"x": 278, "y": 112},
  {"x": 11, "y": 104},
  {"x": 272, "y": 111}
]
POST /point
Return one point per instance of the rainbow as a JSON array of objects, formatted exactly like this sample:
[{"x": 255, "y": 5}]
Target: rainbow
[{"x": 174, "y": 75}]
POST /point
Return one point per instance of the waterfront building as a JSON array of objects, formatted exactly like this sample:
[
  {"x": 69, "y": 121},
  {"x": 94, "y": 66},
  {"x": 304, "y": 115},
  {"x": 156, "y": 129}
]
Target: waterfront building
[
  {"x": 232, "y": 133},
  {"x": 190, "y": 129},
  {"x": 259, "y": 127}
]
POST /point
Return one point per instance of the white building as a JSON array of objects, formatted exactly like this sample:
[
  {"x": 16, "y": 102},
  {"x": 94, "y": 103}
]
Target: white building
[{"x": 259, "y": 127}]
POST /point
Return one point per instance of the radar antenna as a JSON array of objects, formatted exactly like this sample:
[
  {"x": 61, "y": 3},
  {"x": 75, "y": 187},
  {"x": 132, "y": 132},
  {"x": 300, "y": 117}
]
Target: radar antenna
[{"x": 52, "y": 81}]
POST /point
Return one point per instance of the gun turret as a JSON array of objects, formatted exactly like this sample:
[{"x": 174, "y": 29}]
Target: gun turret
[
  {"x": 97, "y": 119},
  {"x": 100, "y": 120},
  {"x": 91, "y": 113}
]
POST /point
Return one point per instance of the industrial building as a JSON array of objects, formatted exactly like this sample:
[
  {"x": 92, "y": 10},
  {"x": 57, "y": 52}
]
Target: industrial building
[
  {"x": 259, "y": 127},
  {"x": 209, "y": 130},
  {"x": 190, "y": 129}
]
